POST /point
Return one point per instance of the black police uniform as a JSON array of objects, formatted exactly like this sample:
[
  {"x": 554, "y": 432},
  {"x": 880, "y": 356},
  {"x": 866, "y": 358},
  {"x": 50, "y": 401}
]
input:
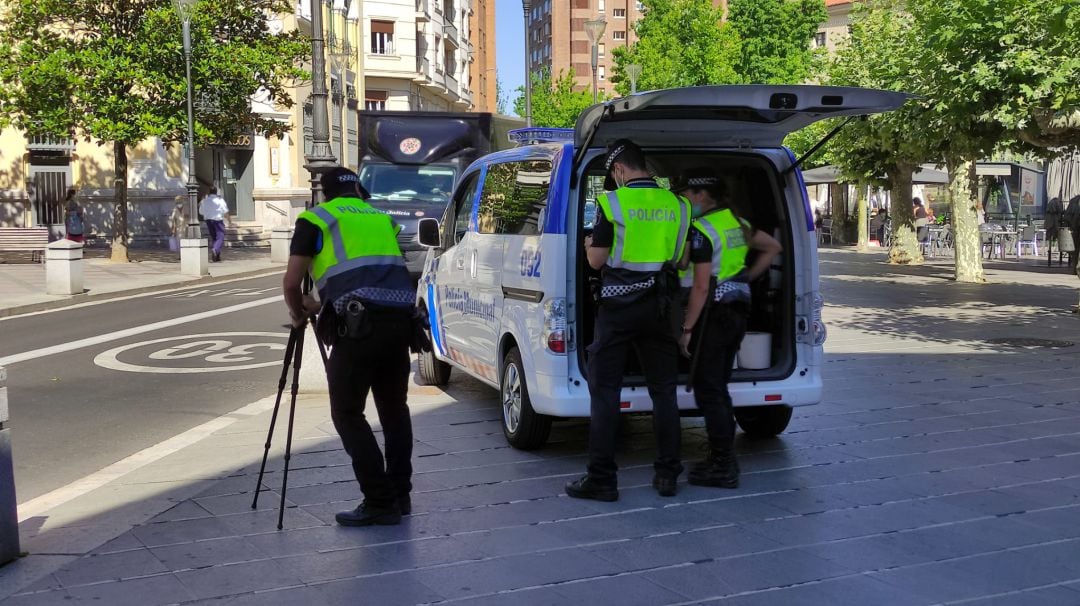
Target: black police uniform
[
  {"x": 374, "y": 359},
  {"x": 632, "y": 320}
]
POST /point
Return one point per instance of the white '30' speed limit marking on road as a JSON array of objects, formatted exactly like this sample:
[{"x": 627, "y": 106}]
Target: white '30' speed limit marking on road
[{"x": 223, "y": 352}]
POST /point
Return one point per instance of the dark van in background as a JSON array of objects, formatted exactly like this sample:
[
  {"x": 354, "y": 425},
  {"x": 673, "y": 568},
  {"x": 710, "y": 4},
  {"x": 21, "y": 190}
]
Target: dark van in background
[{"x": 410, "y": 161}]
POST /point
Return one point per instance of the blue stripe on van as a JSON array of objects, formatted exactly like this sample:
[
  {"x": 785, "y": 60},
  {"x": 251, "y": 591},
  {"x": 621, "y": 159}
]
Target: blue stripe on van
[
  {"x": 433, "y": 319},
  {"x": 802, "y": 191}
]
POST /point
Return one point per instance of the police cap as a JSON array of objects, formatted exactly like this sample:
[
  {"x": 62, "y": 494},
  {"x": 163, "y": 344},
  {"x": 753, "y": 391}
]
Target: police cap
[
  {"x": 617, "y": 148},
  {"x": 340, "y": 181}
]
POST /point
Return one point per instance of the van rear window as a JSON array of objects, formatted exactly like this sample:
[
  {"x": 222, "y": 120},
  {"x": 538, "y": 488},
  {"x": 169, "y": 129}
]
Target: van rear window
[{"x": 514, "y": 198}]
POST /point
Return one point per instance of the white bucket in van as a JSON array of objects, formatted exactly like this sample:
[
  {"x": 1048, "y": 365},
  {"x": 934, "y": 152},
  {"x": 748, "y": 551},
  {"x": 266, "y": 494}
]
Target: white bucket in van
[{"x": 756, "y": 351}]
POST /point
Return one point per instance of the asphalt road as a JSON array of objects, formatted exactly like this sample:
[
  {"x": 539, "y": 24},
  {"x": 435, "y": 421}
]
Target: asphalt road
[{"x": 86, "y": 392}]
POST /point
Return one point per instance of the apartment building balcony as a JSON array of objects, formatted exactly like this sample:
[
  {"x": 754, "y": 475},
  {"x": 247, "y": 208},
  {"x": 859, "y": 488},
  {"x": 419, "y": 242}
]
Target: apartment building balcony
[
  {"x": 39, "y": 143},
  {"x": 423, "y": 10},
  {"x": 451, "y": 31}
]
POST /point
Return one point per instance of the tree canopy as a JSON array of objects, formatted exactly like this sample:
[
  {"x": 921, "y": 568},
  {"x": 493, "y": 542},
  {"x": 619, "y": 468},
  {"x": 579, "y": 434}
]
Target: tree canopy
[
  {"x": 113, "y": 70},
  {"x": 690, "y": 43},
  {"x": 554, "y": 103}
]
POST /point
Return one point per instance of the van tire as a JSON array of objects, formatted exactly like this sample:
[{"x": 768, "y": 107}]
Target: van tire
[
  {"x": 763, "y": 421},
  {"x": 524, "y": 428},
  {"x": 432, "y": 371}
]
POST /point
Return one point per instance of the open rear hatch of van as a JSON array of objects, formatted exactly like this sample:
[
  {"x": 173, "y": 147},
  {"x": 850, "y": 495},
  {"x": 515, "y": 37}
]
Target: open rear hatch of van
[
  {"x": 737, "y": 123},
  {"x": 724, "y": 116}
]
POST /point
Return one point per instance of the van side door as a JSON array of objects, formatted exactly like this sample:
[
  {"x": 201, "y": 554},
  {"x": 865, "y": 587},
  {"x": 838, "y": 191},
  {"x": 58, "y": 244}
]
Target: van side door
[{"x": 451, "y": 266}]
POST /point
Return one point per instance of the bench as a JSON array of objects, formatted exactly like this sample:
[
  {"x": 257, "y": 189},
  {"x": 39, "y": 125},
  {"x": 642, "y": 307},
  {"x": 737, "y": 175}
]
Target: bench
[{"x": 33, "y": 239}]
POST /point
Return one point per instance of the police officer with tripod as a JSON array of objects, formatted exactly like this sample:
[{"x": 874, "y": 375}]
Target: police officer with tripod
[
  {"x": 366, "y": 315},
  {"x": 638, "y": 239}
]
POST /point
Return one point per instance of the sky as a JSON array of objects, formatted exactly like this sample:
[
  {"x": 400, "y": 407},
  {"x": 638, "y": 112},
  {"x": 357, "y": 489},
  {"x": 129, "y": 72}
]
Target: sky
[{"x": 510, "y": 47}]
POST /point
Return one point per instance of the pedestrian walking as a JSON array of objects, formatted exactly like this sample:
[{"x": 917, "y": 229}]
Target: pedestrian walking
[
  {"x": 1071, "y": 220},
  {"x": 721, "y": 243},
  {"x": 74, "y": 224},
  {"x": 638, "y": 238},
  {"x": 367, "y": 298},
  {"x": 215, "y": 212}
]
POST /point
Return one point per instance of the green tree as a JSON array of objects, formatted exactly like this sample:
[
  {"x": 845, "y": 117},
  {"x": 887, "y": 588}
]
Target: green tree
[
  {"x": 113, "y": 70},
  {"x": 775, "y": 39},
  {"x": 883, "y": 149},
  {"x": 554, "y": 104},
  {"x": 679, "y": 43},
  {"x": 997, "y": 73},
  {"x": 501, "y": 98}
]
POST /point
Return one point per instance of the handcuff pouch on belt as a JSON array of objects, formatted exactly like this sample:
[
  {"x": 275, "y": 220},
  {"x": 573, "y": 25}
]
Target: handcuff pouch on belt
[{"x": 355, "y": 322}]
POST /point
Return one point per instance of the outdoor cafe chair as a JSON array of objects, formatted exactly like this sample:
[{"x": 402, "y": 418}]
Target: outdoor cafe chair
[{"x": 1029, "y": 237}]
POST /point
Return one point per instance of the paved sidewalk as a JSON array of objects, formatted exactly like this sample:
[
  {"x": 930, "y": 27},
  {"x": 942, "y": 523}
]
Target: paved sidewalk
[
  {"x": 943, "y": 467},
  {"x": 149, "y": 269}
]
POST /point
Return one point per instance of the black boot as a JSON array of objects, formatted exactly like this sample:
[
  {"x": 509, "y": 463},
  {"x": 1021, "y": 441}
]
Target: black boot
[
  {"x": 720, "y": 469},
  {"x": 588, "y": 488},
  {"x": 370, "y": 515}
]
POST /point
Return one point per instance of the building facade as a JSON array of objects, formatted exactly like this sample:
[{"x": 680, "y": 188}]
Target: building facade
[
  {"x": 381, "y": 54},
  {"x": 558, "y": 40},
  {"x": 482, "y": 75},
  {"x": 418, "y": 55}
]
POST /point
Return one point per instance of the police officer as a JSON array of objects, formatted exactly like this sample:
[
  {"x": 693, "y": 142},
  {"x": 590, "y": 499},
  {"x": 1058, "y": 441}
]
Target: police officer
[
  {"x": 638, "y": 239},
  {"x": 367, "y": 298},
  {"x": 720, "y": 242}
]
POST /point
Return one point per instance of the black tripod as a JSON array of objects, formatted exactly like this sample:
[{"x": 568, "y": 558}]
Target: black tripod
[{"x": 294, "y": 351}]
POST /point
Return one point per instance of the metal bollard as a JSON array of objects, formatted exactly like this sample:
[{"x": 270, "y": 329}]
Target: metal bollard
[
  {"x": 279, "y": 244},
  {"x": 9, "y": 515}
]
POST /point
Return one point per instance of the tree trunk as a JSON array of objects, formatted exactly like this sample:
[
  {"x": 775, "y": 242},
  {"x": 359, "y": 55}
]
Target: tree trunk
[
  {"x": 963, "y": 193},
  {"x": 860, "y": 216},
  {"x": 905, "y": 245},
  {"x": 120, "y": 230}
]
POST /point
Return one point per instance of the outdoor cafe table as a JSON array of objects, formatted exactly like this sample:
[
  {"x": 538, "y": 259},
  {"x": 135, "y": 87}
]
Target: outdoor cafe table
[{"x": 998, "y": 237}]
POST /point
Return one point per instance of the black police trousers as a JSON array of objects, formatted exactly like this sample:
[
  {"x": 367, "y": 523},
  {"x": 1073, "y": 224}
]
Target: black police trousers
[
  {"x": 618, "y": 328},
  {"x": 377, "y": 363},
  {"x": 722, "y": 334}
]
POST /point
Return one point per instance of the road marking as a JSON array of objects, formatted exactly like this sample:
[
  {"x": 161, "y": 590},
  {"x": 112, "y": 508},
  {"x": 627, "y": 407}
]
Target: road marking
[
  {"x": 130, "y": 332},
  {"x": 42, "y": 504},
  {"x": 209, "y": 347},
  {"x": 209, "y": 292}
]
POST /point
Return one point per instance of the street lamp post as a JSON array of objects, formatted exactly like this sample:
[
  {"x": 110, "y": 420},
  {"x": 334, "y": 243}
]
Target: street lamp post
[
  {"x": 594, "y": 29},
  {"x": 527, "y": 6},
  {"x": 633, "y": 71},
  {"x": 321, "y": 159},
  {"x": 193, "y": 258}
]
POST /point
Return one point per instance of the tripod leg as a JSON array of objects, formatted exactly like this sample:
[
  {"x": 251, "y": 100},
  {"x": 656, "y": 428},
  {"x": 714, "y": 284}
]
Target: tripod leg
[
  {"x": 273, "y": 419},
  {"x": 298, "y": 355},
  {"x": 322, "y": 348}
]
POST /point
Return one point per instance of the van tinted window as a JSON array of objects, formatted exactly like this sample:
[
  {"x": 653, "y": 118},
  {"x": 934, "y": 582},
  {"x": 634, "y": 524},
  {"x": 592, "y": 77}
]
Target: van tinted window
[{"x": 515, "y": 195}]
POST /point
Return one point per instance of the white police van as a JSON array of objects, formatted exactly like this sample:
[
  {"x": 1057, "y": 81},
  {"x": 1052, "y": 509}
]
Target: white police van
[{"x": 506, "y": 285}]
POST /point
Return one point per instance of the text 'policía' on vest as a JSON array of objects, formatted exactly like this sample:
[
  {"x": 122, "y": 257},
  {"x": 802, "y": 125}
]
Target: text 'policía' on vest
[{"x": 650, "y": 214}]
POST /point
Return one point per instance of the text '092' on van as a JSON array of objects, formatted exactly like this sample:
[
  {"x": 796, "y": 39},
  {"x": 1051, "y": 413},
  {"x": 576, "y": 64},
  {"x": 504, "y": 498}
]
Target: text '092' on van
[{"x": 506, "y": 287}]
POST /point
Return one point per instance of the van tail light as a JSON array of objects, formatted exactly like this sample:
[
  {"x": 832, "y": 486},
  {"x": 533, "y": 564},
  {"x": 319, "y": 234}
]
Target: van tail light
[
  {"x": 817, "y": 327},
  {"x": 555, "y": 326}
]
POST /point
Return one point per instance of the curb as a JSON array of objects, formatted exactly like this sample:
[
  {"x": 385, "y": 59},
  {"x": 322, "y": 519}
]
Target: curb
[{"x": 116, "y": 294}]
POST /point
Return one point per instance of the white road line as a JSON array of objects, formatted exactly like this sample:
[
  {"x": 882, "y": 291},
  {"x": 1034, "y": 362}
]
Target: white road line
[
  {"x": 42, "y": 504},
  {"x": 129, "y": 332},
  {"x": 269, "y": 272}
]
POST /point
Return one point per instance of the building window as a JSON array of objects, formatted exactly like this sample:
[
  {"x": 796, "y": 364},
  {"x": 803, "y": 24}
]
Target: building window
[
  {"x": 819, "y": 40},
  {"x": 618, "y": 13},
  {"x": 640, "y": 7},
  {"x": 375, "y": 100},
  {"x": 600, "y": 49},
  {"x": 618, "y": 35},
  {"x": 601, "y": 6},
  {"x": 382, "y": 37},
  {"x": 600, "y": 72}
]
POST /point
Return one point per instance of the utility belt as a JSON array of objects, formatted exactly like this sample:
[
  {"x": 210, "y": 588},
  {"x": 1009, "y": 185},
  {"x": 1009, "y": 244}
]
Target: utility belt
[{"x": 358, "y": 321}]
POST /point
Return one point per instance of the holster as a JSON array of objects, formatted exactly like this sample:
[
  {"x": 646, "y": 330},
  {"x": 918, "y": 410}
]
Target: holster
[
  {"x": 666, "y": 288},
  {"x": 420, "y": 341},
  {"x": 356, "y": 322}
]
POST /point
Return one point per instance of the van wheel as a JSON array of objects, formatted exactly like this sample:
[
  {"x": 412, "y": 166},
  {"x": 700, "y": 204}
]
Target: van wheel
[
  {"x": 763, "y": 421},
  {"x": 523, "y": 427},
  {"x": 433, "y": 371}
]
